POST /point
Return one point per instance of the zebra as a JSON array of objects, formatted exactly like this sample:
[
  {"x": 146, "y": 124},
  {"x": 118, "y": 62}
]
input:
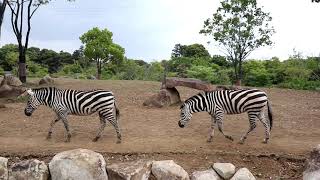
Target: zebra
[
  {"x": 220, "y": 102},
  {"x": 67, "y": 101}
]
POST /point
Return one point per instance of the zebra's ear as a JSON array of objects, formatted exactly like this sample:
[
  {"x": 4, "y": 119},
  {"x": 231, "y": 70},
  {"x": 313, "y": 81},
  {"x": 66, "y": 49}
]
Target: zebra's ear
[
  {"x": 30, "y": 92},
  {"x": 182, "y": 106}
]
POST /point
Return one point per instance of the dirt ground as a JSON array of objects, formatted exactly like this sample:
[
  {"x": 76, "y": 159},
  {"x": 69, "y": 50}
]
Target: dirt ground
[{"x": 153, "y": 133}]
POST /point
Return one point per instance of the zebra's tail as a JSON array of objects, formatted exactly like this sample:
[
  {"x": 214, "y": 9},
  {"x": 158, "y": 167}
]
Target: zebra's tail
[
  {"x": 270, "y": 114},
  {"x": 117, "y": 110}
]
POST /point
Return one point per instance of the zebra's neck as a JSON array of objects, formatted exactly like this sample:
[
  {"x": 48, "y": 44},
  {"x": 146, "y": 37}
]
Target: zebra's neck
[{"x": 45, "y": 95}]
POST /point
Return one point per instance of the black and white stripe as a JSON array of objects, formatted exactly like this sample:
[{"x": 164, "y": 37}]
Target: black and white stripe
[
  {"x": 75, "y": 102},
  {"x": 218, "y": 103}
]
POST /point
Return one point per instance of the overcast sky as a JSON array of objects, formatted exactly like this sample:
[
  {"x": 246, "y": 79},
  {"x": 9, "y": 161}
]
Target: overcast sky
[{"x": 149, "y": 29}]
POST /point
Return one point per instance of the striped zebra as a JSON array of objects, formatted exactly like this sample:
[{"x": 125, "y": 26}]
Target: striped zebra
[
  {"x": 218, "y": 103},
  {"x": 81, "y": 103}
]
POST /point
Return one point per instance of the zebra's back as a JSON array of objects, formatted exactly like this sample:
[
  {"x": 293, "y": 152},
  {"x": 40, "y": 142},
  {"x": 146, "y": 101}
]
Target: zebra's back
[
  {"x": 239, "y": 101},
  {"x": 86, "y": 102}
]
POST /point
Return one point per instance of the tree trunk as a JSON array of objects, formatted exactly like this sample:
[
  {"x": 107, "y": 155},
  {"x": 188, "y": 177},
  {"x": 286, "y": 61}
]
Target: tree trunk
[
  {"x": 22, "y": 69},
  {"x": 98, "y": 70},
  {"x": 240, "y": 73},
  {"x": 2, "y": 10}
]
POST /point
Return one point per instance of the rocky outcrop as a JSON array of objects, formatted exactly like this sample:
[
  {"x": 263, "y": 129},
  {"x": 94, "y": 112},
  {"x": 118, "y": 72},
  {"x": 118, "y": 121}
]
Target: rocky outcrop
[
  {"x": 78, "y": 164},
  {"x": 312, "y": 171},
  {"x": 137, "y": 170},
  {"x": 205, "y": 175},
  {"x": 225, "y": 170},
  {"x": 11, "y": 87},
  {"x": 11, "y": 81},
  {"x": 165, "y": 97},
  {"x": 29, "y": 169},
  {"x": 243, "y": 174},
  {"x": 164, "y": 170},
  {"x": 3, "y": 168},
  {"x": 188, "y": 82},
  {"x": 46, "y": 80}
]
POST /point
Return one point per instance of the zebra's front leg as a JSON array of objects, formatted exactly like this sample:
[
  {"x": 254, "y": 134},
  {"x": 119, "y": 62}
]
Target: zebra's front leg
[
  {"x": 252, "y": 122},
  {"x": 53, "y": 122},
  {"x": 213, "y": 124},
  {"x": 219, "y": 119},
  {"x": 101, "y": 128}
]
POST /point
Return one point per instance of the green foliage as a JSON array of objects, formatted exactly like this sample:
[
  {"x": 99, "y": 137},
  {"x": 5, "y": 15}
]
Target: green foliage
[
  {"x": 154, "y": 72},
  {"x": 100, "y": 48},
  {"x": 193, "y": 50},
  {"x": 71, "y": 69},
  {"x": 239, "y": 27},
  {"x": 1, "y": 71},
  {"x": 36, "y": 70}
]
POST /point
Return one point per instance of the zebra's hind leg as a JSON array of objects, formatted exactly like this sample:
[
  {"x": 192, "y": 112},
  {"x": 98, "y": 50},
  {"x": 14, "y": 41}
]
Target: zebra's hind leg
[
  {"x": 66, "y": 125},
  {"x": 219, "y": 118},
  {"x": 53, "y": 122},
  {"x": 252, "y": 121},
  {"x": 101, "y": 128},
  {"x": 263, "y": 120},
  {"x": 213, "y": 124},
  {"x": 114, "y": 122}
]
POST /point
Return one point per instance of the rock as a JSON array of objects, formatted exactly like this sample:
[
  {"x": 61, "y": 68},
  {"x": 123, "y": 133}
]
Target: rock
[
  {"x": 78, "y": 164},
  {"x": 165, "y": 97},
  {"x": 187, "y": 82},
  {"x": 225, "y": 170},
  {"x": 3, "y": 168},
  {"x": 29, "y": 169},
  {"x": 167, "y": 170},
  {"x": 7, "y": 91},
  {"x": 205, "y": 175},
  {"x": 11, "y": 81},
  {"x": 312, "y": 171},
  {"x": 243, "y": 174},
  {"x": 46, "y": 80},
  {"x": 137, "y": 170},
  {"x": 92, "y": 77}
]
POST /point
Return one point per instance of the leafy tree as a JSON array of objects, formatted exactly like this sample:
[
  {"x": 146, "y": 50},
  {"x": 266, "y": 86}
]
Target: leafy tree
[
  {"x": 193, "y": 50},
  {"x": 8, "y": 56},
  {"x": 220, "y": 60},
  {"x": 100, "y": 48},
  {"x": 239, "y": 27},
  {"x": 78, "y": 56},
  {"x": 33, "y": 53}
]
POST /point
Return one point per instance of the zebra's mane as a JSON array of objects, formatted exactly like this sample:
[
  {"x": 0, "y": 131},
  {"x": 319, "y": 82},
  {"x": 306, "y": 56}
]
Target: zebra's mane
[{"x": 46, "y": 88}]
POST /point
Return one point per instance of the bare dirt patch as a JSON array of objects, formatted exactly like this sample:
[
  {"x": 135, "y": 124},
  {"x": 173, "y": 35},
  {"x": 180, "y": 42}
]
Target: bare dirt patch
[{"x": 154, "y": 133}]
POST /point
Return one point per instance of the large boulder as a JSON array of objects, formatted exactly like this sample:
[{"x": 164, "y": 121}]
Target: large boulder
[
  {"x": 243, "y": 174},
  {"x": 312, "y": 171},
  {"x": 205, "y": 175},
  {"x": 11, "y": 81},
  {"x": 29, "y": 169},
  {"x": 188, "y": 82},
  {"x": 46, "y": 80},
  {"x": 165, "y": 97},
  {"x": 225, "y": 170},
  {"x": 78, "y": 164},
  {"x": 3, "y": 168},
  {"x": 167, "y": 170},
  {"x": 7, "y": 91},
  {"x": 137, "y": 170}
]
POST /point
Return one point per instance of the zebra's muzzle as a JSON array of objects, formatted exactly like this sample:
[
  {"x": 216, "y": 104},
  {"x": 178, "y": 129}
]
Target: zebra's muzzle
[
  {"x": 180, "y": 125},
  {"x": 27, "y": 113}
]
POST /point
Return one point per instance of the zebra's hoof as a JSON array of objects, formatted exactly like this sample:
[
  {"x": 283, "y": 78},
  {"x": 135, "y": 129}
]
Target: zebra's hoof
[
  {"x": 48, "y": 137},
  {"x": 241, "y": 142},
  {"x": 209, "y": 140},
  {"x": 118, "y": 141},
  {"x": 95, "y": 139},
  {"x": 265, "y": 141},
  {"x": 230, "y": 138}
]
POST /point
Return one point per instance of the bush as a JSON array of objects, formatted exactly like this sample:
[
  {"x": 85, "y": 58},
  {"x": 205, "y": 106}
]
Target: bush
[
  {"x": 301, "y": 84},
  {"x": 36, "y": 70},
  {"x": 255, "y": 74},
  {"x": 1, "y": 71},
  {"x": 71, "y": 69},
  {"x": 201, "y": 72}
]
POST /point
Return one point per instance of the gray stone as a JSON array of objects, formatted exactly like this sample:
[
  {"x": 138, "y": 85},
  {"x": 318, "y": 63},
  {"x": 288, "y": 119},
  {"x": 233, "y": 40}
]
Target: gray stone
[
  {"x": 3, "y": 168},
  {"x": 137, "y": 170},
  {"x": 46, "y": 80},
  {"x": 243, "y": 174},
  {"x": 78, "y": 164},
  {"x": 312, "y": 171},
  {"x": 32, "y": 169},
  {"x": 225, "y": 170},
  {"x": 165, "y": 97},
  {"x": 209, "y": 174},
  {"x": 168, "y": 170},
  {"x": 188, "y": 82}
]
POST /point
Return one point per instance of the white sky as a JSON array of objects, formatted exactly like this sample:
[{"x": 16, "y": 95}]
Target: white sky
[{"x": 149, "y": 29}]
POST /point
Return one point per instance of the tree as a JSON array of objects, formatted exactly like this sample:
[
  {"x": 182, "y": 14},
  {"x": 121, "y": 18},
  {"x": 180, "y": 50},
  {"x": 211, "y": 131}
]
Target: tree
[
  {"x": 193, "y": 50},
  {"x": 3, "y": 5},
  {"x": 239, "y": 27},
  {"x": 100, "y": 48},
  {"x": 18, "y": 17}
]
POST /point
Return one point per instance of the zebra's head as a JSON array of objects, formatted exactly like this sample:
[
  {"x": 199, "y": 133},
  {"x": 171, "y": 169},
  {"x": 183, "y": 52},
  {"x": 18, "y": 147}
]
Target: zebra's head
[
  {"x": 32, "y": 104},
  {"x": 185, "y": 115}
]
